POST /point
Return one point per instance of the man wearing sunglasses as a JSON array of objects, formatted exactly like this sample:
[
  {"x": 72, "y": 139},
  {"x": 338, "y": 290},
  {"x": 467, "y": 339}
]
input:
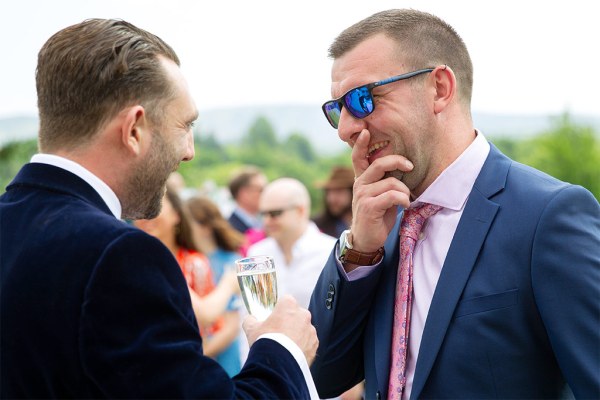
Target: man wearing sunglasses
[
  {"x": 489, "y": 287},
  {"x": 298, "y": 248}
]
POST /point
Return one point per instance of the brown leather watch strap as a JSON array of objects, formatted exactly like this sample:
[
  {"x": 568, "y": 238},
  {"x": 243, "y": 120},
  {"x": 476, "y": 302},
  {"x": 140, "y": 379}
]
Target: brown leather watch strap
[{"x": 352, "y": 256}]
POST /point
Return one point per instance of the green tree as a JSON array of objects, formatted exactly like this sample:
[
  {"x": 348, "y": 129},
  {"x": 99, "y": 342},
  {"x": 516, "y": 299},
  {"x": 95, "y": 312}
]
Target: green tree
[
  {"x": 568, "y": 152},
  {"x": 298, "y": 144},
  {"x": 210, "y": 150},
  {"x": 261, "y": 134},
  {"x": 507, "y": 145},
  {"x": 12, "y": 157}
]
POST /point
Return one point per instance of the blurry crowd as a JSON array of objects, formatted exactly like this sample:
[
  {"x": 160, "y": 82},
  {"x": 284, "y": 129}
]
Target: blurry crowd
[{"x": 207, "y": 234}]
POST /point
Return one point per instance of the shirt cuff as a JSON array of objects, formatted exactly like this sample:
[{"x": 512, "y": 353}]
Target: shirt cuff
[
  {"x": 298, "y": 356},
  {"x": 358, "y": 272}
]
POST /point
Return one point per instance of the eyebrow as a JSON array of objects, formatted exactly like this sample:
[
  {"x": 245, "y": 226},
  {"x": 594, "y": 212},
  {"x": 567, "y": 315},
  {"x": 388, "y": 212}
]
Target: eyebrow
[{"x": 192, "y": 119}]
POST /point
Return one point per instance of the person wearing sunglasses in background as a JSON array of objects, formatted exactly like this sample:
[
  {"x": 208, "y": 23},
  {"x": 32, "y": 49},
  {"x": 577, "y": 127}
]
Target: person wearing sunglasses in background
[
  {"x": 499, "y": 298},
  {"x": 299, "y": 249},
  {"x": 93, "y": 307}
]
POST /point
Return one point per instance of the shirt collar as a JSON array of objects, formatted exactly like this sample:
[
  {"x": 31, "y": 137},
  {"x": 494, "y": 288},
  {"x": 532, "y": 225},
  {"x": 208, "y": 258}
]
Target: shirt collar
[
  {"x": 452, "y": 187},
  {"x": 247, "y": 218},
  {"x": 105, "y": 192}
]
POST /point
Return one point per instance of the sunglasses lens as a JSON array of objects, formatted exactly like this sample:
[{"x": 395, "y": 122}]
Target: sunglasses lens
[
  {"x": 272, "y": 213},
  {"x": 332, "y": 111},
  {"x": 359, "y": 102}
]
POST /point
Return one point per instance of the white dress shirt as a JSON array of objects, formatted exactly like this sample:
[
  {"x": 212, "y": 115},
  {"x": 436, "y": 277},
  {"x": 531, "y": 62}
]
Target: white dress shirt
[{"x": 309, "y": 255}]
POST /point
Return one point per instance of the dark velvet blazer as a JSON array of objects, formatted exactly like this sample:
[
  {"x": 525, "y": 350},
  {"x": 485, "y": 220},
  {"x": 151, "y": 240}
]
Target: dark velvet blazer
[
  {"x": 92, "y": 307},
  {"x": 516, "y": 311}
]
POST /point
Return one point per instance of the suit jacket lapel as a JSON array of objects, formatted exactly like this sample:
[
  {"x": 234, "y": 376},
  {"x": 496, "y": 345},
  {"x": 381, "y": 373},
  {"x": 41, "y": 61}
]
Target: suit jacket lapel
[{"x": 466, "y": 244}]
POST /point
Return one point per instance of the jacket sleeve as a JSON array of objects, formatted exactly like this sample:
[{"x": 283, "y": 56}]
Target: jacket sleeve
[
  {"x": 339, "y": 310},
  {"x": 566, "y": 284},
  {"x": 139, "y": 337}
]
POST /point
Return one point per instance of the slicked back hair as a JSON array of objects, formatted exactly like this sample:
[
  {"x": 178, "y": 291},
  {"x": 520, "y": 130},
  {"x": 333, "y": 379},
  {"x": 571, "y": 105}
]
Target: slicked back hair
[{"x": 90, "y": 71}]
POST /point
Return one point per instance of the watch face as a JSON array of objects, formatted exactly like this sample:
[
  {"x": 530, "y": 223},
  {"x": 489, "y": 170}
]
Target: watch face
[{"x": 344, "y": 242}]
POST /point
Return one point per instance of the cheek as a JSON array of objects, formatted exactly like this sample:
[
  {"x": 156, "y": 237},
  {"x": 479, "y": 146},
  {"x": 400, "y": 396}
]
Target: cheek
[
  {"x": 347, "y": 198},
  {"x": 333, "y": 197}
]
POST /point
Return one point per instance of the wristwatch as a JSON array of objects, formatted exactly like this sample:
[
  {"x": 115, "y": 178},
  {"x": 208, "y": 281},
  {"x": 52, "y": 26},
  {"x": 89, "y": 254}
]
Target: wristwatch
[{"x": 351, "y": 256}]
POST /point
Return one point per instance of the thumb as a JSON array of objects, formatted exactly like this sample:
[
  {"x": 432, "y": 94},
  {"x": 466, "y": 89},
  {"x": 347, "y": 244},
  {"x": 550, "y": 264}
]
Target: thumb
[
  {"x": 250, "y": 322},
  {"x": 250, "y": 326}
]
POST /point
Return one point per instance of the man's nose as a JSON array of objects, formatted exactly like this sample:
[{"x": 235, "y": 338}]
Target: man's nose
[
  {"x": 349, "y": 127},
  {"x": 189, "y": 151}
]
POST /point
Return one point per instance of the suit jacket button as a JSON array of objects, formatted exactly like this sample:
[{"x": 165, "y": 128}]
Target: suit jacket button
[
  {"x": 378, "y": 395},
  {"x": 328, "y": 303}
]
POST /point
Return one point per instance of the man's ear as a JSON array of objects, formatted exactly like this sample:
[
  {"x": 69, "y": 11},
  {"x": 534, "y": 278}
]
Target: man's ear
[
  {"x": 304, "y": 210},
  {"x": 135, "y": 129},
  {"x": 445, "y": 85}
]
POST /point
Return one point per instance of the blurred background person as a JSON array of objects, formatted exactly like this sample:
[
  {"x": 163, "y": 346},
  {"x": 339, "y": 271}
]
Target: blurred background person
[
  {"x": 177, "y": 182},
  {"x": 245, "y": 187},
  {"x": 221, "y": 243},
  {"x": 173, "y": 227},
  {"x": 336, "y": 216},
  {"x": 298, "y": 248}
]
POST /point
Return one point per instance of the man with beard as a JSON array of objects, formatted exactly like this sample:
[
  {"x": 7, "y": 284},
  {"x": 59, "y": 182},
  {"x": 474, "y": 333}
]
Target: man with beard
[
  {"x": 337, "y": 199},
  {"x": 93, "y": 307}
]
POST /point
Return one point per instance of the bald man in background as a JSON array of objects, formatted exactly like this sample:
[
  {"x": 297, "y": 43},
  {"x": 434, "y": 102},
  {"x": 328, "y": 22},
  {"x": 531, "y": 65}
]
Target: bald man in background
[{"x": 297, "y": 246}]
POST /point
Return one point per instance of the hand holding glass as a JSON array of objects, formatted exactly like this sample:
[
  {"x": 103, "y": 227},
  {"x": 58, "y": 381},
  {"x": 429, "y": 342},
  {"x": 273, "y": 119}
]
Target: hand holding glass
[{"x": 258, "y": 283}]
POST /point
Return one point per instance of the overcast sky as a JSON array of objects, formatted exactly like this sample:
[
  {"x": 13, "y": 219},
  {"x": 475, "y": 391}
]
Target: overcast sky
[{"x": 529, "y": 56}]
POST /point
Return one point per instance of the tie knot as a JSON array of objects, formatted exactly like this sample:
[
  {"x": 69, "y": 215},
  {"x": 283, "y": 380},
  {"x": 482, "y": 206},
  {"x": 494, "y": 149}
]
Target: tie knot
[{"x": 414, "y": 218}]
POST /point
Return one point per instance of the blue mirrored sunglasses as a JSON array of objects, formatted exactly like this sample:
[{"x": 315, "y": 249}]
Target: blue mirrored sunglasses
[{"x": 359, "y": 101}]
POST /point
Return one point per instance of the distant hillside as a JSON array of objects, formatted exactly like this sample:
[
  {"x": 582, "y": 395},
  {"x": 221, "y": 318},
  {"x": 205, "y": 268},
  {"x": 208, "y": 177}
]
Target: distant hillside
[
  {"x": 228, "y": 125},
  {"x": 17, "y": 128}
]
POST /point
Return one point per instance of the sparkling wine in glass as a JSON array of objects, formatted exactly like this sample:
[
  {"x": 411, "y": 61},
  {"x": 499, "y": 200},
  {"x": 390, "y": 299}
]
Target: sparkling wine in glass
[{"x": 258, "y": 284}]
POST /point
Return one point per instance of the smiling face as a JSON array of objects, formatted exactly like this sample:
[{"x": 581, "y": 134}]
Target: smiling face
[
  {"x": 291, "y": 197},
  {"x": 170, "y": 142},
  {"x": 403, "y": 119}
]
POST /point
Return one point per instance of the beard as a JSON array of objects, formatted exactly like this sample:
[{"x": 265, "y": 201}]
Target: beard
[
  {"x": 147, "y": 184},
  {"x": 338, "y": 213}
]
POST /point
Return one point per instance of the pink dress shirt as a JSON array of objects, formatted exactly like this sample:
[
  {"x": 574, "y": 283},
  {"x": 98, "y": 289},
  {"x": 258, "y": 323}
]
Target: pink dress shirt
[{"x": 450, "y": 190}]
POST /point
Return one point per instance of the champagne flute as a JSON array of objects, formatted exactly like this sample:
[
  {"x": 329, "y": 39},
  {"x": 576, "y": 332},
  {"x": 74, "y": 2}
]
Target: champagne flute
[{"x": 258, "y": 284}]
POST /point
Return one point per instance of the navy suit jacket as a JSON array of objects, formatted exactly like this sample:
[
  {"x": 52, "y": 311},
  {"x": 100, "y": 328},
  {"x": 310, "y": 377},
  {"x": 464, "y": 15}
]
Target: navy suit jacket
[
  {"x": 238, "y": 223},
  {"x": 516, "y": 311},
  {"x": 94, "y": 308}
]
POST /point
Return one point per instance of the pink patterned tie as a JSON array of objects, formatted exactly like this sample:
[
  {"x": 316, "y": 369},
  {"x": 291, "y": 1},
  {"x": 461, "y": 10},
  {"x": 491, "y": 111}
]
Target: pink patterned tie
[{"x": 412, "y": 223}]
